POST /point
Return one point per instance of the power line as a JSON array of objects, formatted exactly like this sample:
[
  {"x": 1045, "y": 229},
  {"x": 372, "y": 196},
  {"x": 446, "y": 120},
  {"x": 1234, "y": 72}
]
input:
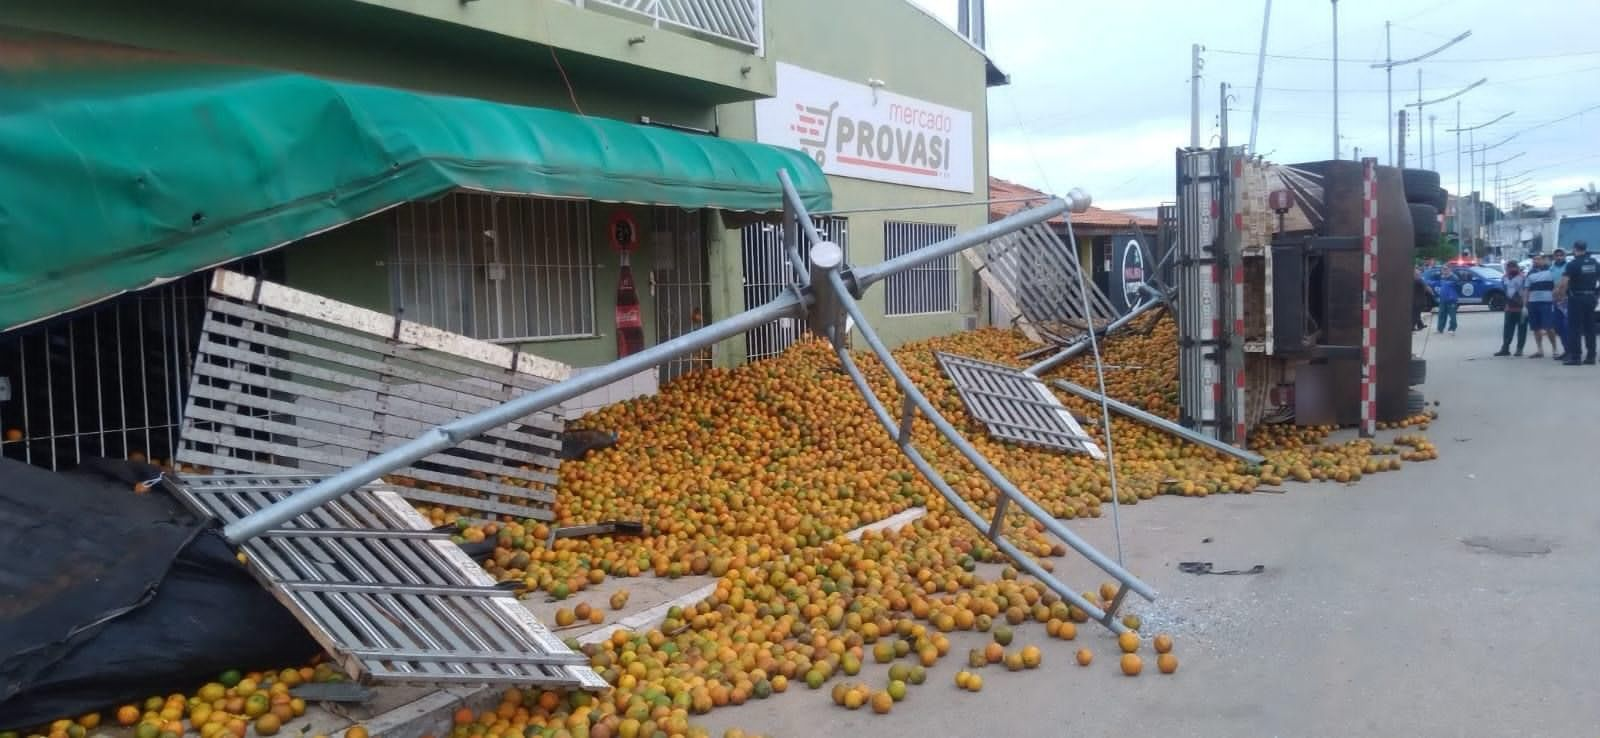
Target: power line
[
  {"x": 1493, "y": 83},
  {"x": 1297, "y": 57}
]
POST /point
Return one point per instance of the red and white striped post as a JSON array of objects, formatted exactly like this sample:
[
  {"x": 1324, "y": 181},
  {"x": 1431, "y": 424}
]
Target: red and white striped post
[{"x": 1369, "y": 298}]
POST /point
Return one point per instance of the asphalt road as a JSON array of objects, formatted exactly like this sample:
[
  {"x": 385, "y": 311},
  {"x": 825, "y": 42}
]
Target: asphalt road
[{"x": 1452, "y": 598}]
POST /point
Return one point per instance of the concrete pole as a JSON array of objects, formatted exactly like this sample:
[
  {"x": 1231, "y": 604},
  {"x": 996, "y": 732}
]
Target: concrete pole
[
  {"x": 1194, "y": 96},
  {"x": 1335, "y": 4},
  {"x": 1388, "y": 86},
  {"x": 1458, "y": 171}
]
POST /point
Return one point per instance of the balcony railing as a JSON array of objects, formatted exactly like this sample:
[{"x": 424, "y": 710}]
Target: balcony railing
[{"x": 731, "y": 22}]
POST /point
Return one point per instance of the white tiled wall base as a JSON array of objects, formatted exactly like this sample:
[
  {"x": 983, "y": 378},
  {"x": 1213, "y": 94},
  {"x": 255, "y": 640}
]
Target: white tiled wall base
[{"x": 638, "y": 385}]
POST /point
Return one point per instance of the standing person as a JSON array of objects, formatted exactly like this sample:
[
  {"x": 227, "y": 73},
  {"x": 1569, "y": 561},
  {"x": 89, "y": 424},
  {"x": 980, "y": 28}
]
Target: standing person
[
  {"x": 1558, "y": 266},
  {"x": 1516, "y": 323},
  {"x": 1541, "y": 287},
  {"x": 1580, "y": 284},
  {"x": 1449, "y": 296},
  {"x": 1421, "y": 300}
]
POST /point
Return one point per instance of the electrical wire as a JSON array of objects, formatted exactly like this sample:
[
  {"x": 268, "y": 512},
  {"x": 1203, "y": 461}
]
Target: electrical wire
[
  {"x": 1341, "y": 60},
  {"x": 1105, "y": 407},
  {"x": 571, "y": 94}
]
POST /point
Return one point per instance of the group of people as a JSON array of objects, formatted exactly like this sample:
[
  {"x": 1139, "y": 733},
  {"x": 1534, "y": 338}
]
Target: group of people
[{"x": 1555, "y": 300}]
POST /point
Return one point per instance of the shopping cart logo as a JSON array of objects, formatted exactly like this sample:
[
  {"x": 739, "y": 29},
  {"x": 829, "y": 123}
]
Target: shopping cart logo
[{"x": 813, "y": 125}]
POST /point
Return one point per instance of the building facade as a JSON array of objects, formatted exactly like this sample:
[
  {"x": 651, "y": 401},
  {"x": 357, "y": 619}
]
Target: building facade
[{"x": 887, "y": 100}]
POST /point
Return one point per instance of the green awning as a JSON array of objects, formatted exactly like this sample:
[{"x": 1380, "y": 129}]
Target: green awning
[{"x": 116, "y": 178}]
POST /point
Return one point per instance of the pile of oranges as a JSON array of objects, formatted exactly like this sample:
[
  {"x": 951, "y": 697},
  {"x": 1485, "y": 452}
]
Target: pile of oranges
[{"x": 752, "y": 475}]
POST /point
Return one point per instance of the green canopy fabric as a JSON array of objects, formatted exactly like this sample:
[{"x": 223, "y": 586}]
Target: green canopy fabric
[{"x": 120, "y": 178}]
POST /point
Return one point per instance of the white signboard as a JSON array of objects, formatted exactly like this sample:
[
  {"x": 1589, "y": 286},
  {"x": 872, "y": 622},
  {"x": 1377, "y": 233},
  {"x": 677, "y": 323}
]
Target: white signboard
[{"x": 854, "y": 130}]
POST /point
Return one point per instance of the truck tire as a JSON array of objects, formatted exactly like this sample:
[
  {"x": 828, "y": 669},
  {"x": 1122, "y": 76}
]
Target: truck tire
[
  {"x": 1418, "y": 183},
  {"x": 1437, "y": 197},
  {"x": 1417, "y": 371},
  {"x": 1425, "y": 224},
  {"x": 1415, "y": 403}
]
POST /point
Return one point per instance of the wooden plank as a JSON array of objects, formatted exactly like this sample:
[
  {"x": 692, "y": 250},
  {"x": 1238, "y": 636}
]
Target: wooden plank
[
  {"x": 479, "y": 485},
  {"x": 218, "y": 394},
  {"x": 464, "y": 402},
  {"x": 271, "y": 295},
  {"x": 217, "y": 462},
  {"x": 424, "y": 416},
  {"x": 502, "y": 376},
  {"x": 359, "y": 362}
]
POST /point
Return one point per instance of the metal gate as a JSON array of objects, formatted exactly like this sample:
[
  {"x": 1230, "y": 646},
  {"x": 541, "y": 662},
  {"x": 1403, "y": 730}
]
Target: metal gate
[
  {"x": 109, "y": 381},
  {"x": 680, "y": 281},
  {"x": 766, "y": 273}
]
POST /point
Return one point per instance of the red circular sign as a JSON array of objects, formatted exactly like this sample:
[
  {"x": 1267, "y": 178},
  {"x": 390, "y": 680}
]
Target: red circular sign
[{"x": 623, "y": 231}]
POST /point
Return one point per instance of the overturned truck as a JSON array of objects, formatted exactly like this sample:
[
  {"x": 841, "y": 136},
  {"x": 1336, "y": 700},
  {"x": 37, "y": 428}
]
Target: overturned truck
[{"x": 1291, "y": 286}]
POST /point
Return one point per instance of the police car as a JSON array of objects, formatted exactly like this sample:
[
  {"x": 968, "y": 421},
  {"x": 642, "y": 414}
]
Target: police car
[{"x": 1477, "y": 285}]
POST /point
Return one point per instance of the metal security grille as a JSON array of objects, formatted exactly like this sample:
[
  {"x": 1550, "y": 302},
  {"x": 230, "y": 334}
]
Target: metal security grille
[
  {"x": 495, "y": 268},
  {"x": 389, "y": 599},
  {"x": 107, "y": 382},
  {"x": 287, "y": 382},
  {"x": 1035, "y": 275},
  {"x": 767, "y": 273},
  {"x": 736, "y": 22},
  {"x": 929, "y": 288},
  {"x": 1015, "y": 406},
  {"x": 680, "y": 277}
]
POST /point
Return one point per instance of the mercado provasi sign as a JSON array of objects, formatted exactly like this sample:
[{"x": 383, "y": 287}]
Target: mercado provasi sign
[{"x": 854, "y": 130}]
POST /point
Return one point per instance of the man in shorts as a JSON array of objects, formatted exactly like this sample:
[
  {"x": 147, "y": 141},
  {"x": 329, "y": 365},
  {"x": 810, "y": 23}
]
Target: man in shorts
[{"x": 1541, "y": 306}]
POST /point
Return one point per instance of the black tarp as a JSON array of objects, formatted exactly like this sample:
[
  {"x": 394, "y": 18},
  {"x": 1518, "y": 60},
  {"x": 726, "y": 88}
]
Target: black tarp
[{"x": 108, "y": 596}]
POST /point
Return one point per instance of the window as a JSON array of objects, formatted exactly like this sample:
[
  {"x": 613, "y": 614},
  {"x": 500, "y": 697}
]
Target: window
[
  {"x": 767, "y": 273},
  {"x": 929, "y": 288},
  {"x": 495, "y": 268}
]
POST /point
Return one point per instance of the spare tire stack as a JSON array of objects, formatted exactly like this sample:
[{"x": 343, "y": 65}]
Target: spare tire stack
[{"x": 1426, "y": 199}]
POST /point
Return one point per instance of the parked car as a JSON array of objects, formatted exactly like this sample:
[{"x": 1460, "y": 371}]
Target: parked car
[{"x": 1478, "y": 285}]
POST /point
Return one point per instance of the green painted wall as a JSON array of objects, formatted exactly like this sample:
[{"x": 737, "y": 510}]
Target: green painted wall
[
  {"x": 361, "y": 42},
  {"x": 916, "y": 56}
]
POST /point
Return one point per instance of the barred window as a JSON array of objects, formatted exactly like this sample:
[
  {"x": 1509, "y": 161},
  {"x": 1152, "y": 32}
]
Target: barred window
[
  {"x": 767, "y": 273},
  {"x": 495, "y": 268},
  {"x": 929, "y": 288}
]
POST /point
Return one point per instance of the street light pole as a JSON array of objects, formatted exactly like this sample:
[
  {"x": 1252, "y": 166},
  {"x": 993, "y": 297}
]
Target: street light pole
[{"x": 1388, "y": 64}]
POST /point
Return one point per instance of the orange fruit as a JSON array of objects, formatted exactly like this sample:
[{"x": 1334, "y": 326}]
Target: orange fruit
[
  {"x": 882, "y": 703},
  {"x": 1163, "y": 643},
  {"x": 127, "y": 715},
  {"x": 1132, "y": 664},
  {"x": 1167, "y": 663},
  {"x": 1085, "y": 656},
  {"x": 356, "y": 731},
  {"x": 1128, "y": 641},
  {"x": 14, "y": 434}
]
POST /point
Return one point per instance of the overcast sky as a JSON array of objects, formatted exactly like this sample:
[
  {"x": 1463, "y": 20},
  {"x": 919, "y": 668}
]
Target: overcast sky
[{"x": 1100, "y": 90}]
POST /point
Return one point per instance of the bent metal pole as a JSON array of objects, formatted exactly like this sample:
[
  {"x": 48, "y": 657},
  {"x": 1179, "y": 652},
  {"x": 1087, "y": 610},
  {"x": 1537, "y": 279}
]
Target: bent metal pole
[{"x": 791, "y": 304}]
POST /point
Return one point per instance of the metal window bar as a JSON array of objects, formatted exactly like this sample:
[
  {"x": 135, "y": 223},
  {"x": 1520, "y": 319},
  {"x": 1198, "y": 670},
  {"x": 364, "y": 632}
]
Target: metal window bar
[
  {"x": 110, "y": 381},
  {"x": 734, "y": 22},
  {"x": 925, "y": 288},
  {"x": 767, "y": 272},
  {"x": 681, "y": 282},
  {"x": 494, "y": 267}
]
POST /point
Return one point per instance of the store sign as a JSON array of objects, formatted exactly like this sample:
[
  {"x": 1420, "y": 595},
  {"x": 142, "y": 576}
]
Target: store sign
[{"x": 854, "y": 130}]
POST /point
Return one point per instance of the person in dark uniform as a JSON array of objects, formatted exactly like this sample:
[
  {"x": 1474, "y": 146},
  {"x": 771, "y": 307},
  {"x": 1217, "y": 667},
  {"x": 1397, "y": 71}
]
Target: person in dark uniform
[{"x": 1580, "y": 284}]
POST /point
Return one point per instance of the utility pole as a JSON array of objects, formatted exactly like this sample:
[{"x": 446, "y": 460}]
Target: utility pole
[
  {"x": 1194, "y": 96},
  {"x": 1335, "y": 78},
  {"x": 1261, "y": 69},
  {"x": 1471, "y": 152},
  {"x": 1420, "y": 163},
  {"x": 1389, "y": 63},
  {"x": 1222, "y": 111},
  {"x": 1433, "y": 144},
  {"x": 1401, "y": 149},
  {"x": 1388, "y": 72}
]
